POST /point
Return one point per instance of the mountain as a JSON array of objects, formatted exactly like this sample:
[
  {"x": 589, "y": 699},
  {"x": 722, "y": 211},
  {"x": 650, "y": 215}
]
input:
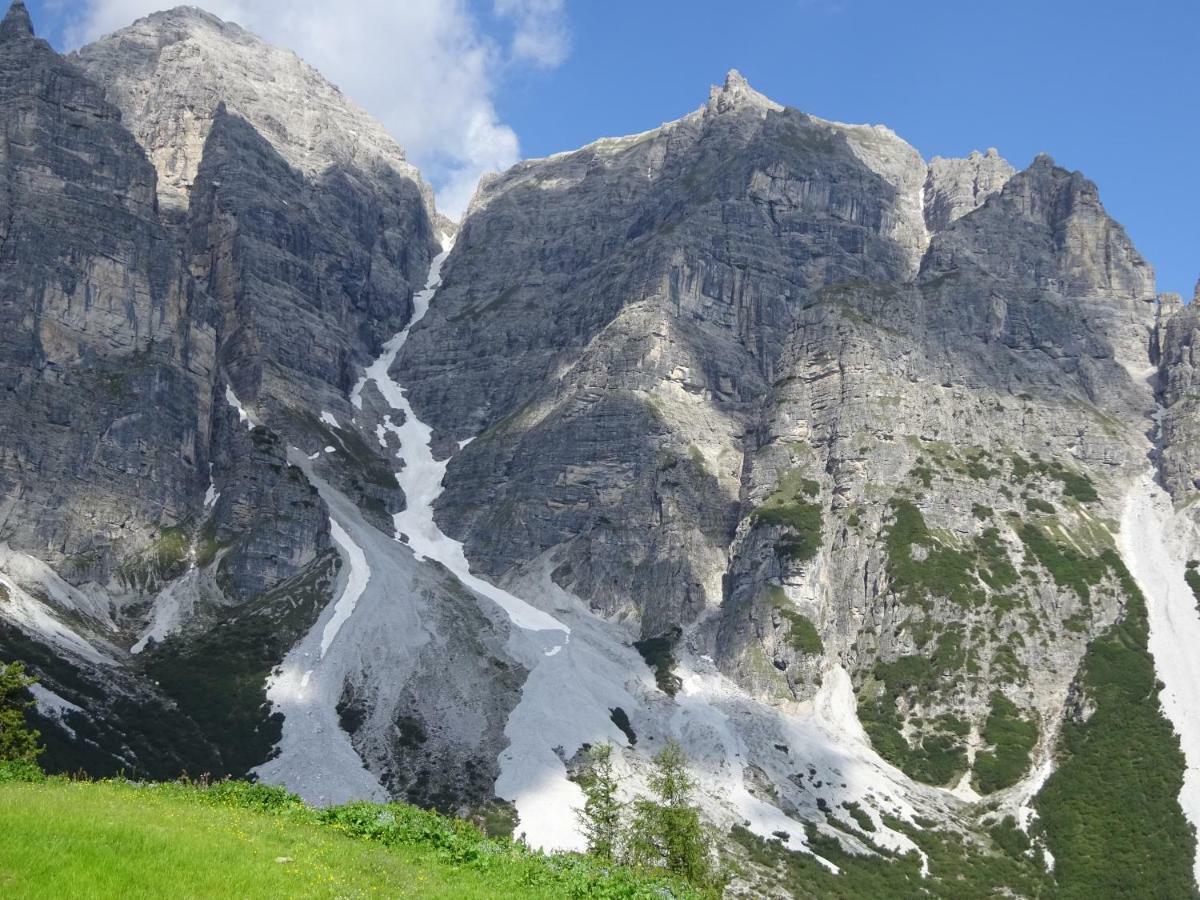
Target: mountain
[{"x": 866, "y": 479}]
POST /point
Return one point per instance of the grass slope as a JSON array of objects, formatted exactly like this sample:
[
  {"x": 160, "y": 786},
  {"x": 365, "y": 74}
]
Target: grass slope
[{"x": 121, "y": 840}]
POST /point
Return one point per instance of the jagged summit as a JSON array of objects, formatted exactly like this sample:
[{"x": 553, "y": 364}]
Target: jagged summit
[
  {"x": 1043, "y": 161},
  {"x": 183, "y": 61},
  {"x": 16, "y": 23},
  {"x": 736, "y": 93}
]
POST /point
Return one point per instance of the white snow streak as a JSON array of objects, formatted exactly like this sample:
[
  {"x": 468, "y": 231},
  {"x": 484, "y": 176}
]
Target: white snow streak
[
  {"x": 1154, "y": 544},
  {"x": 328, "y": 419},
  {"x": 172, "y": 607},
  {"x": 52, "y": 706},
  {"x": 421, "y": 477},
  {"x": 243, "y": 416},
  {"x": 356, "y": 583},
  {"x": 34, "y": 616}
]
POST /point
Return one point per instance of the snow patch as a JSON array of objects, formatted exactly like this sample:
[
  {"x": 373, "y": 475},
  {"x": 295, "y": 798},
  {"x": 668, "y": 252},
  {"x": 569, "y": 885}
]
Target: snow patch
[
  {"x": 33, "y": 616},
  {"x": 328, "y": 419},
  {"x": 243, "y": 416},
  {"x": 52, "y": 706},
  {"x": 172, "y": 607},
  {"x": 421, "y": 476},
  {"x": 360, "y": 574}
]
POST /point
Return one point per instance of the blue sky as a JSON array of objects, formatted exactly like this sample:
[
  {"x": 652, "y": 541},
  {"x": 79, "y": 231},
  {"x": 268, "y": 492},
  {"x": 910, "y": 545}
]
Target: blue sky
[{"x": 1110, "y": 88}]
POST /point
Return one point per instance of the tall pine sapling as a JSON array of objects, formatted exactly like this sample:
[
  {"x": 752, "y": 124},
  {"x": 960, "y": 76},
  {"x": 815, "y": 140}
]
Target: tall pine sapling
[
  {"x": 667, "y": 831},
  {"x": 600, "y": 817},
  {"x": 18, "y": 742}
]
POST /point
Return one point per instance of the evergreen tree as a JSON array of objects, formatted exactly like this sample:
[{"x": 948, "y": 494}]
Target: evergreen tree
[
  {"x": 18, "y": 742},
  {"x": 667, "y": 831},
  {"x": 601, "y": 814}
]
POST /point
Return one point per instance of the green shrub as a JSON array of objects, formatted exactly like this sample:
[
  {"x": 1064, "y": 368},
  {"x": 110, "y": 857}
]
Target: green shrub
[
  {"x": 1110, "y": 812},
  {"x": 1010, "y": 838},
  {"x": 1192, "y": 577},
  {"x": 18, "y": 742},
  {"x": 800, "y": 518},
  {"x": 860, "y": 816},
  {"x": 20, "y": 771},
  {"x": 1066, "y": 565},
  {"x": 802, "y": 634},
  {"x": 938, "y": 755},
  {"x": 945, "y": 572},
  {"x": 666, "y": 832},
  {"x": 602, "y": 811},
  {"x": 658, "y": 652},
  {"x": 1012, "y": 738},
  {"x": 1074, "y": 484}
]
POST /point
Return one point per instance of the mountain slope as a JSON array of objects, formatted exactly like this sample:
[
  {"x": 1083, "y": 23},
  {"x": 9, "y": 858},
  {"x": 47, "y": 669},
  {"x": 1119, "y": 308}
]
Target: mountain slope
[{"x": 755, "y": 432}]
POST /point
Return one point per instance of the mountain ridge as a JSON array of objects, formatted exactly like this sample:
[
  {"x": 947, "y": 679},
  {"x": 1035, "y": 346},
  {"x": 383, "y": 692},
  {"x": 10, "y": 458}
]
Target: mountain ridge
[{"x": 820, "y": 454}]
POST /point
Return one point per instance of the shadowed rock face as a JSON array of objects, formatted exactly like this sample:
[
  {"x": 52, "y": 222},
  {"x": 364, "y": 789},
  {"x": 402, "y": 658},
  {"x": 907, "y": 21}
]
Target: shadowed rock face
[
  {"x": 617, "y": 322},
  {"x": 106, "y": 347},
  {"x": 304, "y": 220},
  {"x": 1178, "y": 350},
  {"x": 172, "y": 72},
  {"x": 124, "y": 326}
]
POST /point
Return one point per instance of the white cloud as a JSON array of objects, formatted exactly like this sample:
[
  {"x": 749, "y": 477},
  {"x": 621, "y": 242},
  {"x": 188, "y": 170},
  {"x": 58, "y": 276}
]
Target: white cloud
[
  {"x": 540, "y": 33},
  {"x": 425, "y": 68}
]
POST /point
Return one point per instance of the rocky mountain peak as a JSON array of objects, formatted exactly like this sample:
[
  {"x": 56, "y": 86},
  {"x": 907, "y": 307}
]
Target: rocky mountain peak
[
  {"x": 17, "y": 23},
  {"x": 955, "y": 187},
  {"x": 737, "y": 94},
  {"x": 179, "y": 64}
]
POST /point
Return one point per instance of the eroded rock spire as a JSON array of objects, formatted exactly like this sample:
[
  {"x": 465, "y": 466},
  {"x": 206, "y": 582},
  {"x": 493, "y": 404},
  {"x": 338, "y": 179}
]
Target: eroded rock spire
[{"x": 16, "y": 22}]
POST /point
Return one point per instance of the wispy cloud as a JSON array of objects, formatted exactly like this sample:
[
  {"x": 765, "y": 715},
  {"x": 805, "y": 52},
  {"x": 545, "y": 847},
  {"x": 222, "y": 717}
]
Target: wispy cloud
[
  {"x": 540, "y": 35},
  {"x": 426, "y": 68}
]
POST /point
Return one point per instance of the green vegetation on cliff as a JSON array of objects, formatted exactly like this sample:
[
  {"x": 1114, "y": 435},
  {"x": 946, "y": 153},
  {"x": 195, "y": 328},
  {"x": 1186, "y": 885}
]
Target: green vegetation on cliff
[
  {"x": 1011, "y": 737},
  {"x": 791, "y": 508},
  {"x": 1110, "y": 812}
]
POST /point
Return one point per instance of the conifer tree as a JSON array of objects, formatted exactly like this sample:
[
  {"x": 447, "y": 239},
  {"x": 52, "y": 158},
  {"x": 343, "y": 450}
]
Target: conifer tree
[
  {"x": 18, "y": 742},
  {"x": 601, "y": 814},
  {"x": 667, "y": 831}
]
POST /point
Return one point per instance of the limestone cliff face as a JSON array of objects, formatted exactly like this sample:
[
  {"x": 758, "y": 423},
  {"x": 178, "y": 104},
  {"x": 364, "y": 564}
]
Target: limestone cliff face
[
  {"x": 743, "y": 377},
  {"x": 107, "y": 348},
  {"x": 955, "y": 187},
  {"x": 170, "y": 73},
  {"x": 302, "y": 216},
  {"x": 611, "y": 319},
  {"x": 946, "y": 418},
  {"x": 261, "y": 272},
  {"x": 1177, "y": 345}
]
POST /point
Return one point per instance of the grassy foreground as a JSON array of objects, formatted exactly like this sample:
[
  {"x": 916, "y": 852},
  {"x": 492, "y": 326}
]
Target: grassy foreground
[{"x": 62, "y": 838}]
